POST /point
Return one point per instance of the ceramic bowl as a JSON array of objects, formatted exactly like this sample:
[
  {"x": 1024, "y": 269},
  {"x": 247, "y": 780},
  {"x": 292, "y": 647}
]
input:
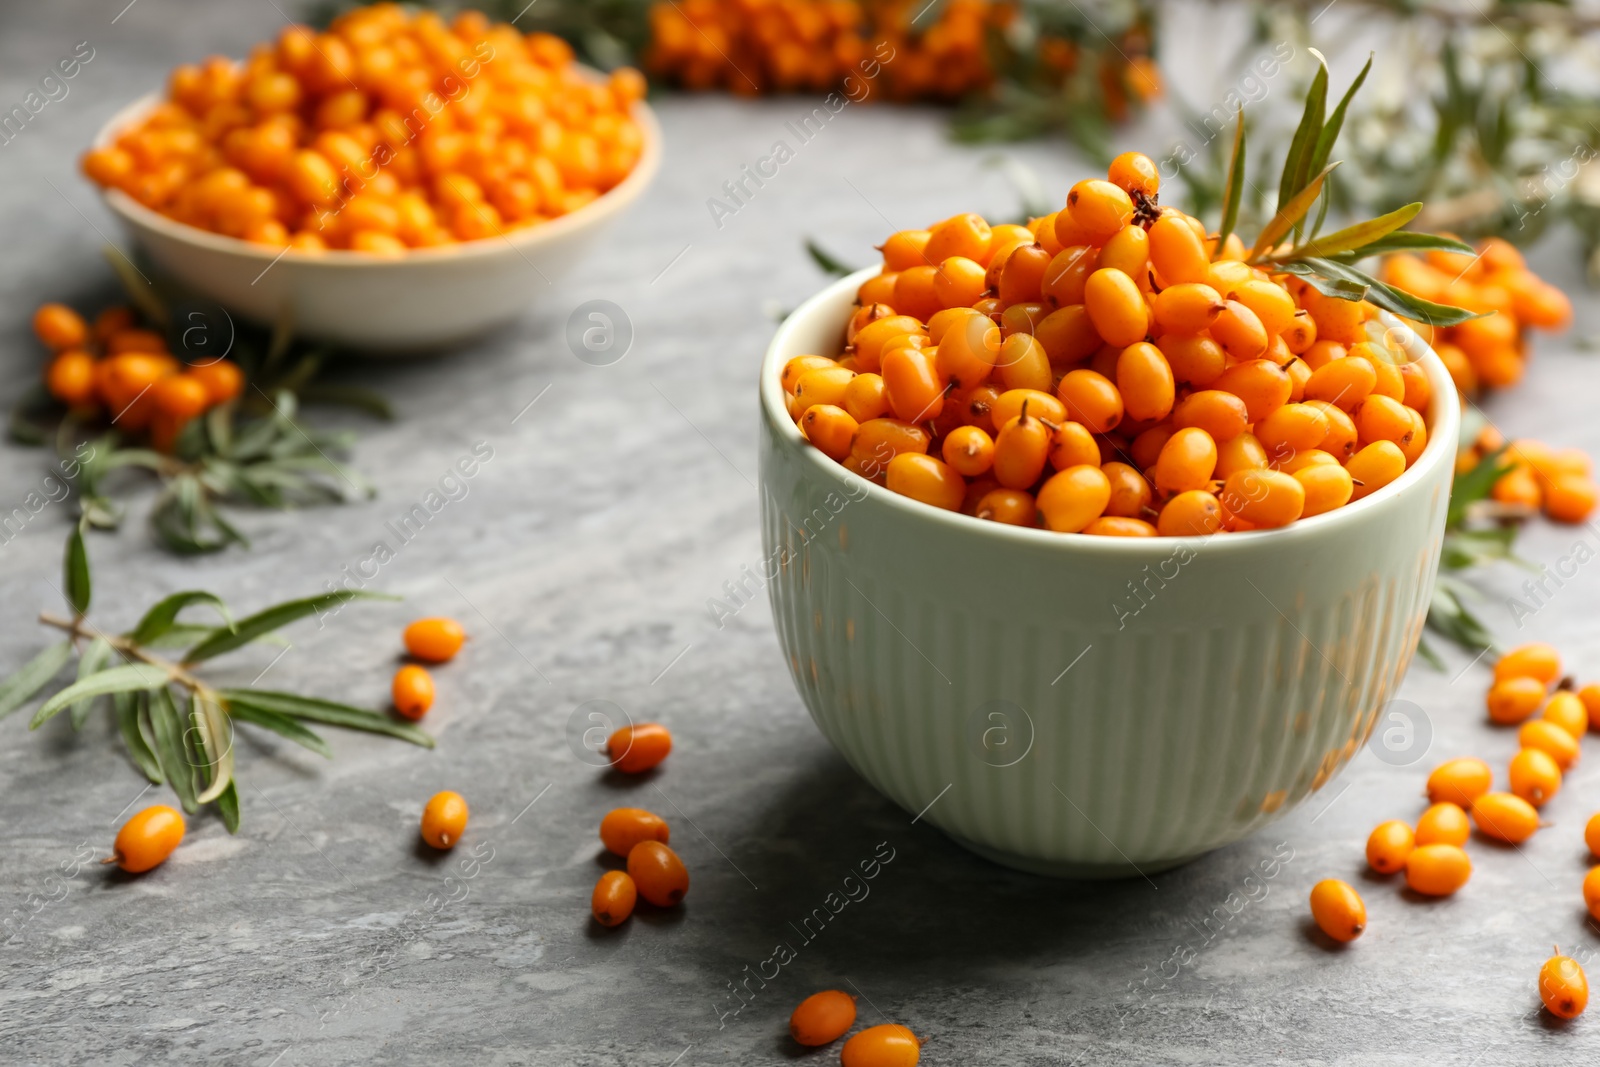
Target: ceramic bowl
[
  {"x": 426, "y": 299},
  {"x": 1088, "y": 706}
]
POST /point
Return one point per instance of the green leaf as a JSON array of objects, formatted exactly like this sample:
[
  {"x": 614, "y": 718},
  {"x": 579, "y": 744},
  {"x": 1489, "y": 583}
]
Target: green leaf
[
  {"x": 172, "y": 747},
  {"x": 326, "y": 711},
  {"x": 1428, "y": 655},
  {"x": 1337, "y": 288},
  {"x": 215, "y": 735},
  {"x": 226, "y": 639},
  {"x": 139, "y": 288},
  {"x": 1388, "y": 297},
  {"x": 1362, "y": 233},
  {"x": 279, "y": 724},
  {"x": 1471, "y": 486},
  {"x": 1297, "y": 164},
  {"x": 350, "y": 396},
  {"x": 32, "y": 676},
  {"x": 1234, "y": 190},
  {"x": 129, "y": 676},
  {"x": 828, "y": 264},
  {"x": 1448, "y": 615},
  {"x": 1476, "y": 548},
  {"x": 1290, "y": 214},
  {"x": 161, "y": 618},
  {"x": 1404, "y": 241},
  {"x": 75, "y": 572},
  {"x": 128, "y": 716},
  {"x": 90, "y": 662},
  {"x": 1330, "y": 131},
  {"x": 228, "y": 808}
]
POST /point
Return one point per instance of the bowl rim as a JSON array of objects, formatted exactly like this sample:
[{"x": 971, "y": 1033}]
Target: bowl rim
[
  {"x": 1443, "y": 418},
  {"x": 600, "y": 208}
]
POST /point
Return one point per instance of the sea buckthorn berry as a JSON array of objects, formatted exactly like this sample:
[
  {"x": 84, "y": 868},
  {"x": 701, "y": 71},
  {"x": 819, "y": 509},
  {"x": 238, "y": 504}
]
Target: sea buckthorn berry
[
  {"x": 1563, "y": 987},
  {"x": 878, "y": 289},
  {"x": 831, "y": 428},
  {"x": 221, "y": 379},
  {"x": 1195, "y": 513},
  {"x": 1271, "y": 303},
  {"x": 1134, "y": 172},
  {"x": 1344, "y": 382},
  {"x": 1443, "y": 822},
  {"x": 864, "y": 316},
  {"x": 1264, "y": 497},
  {"x": 1437, "y": 870},
  {"x": 969, "y": 451},
  {"x": 1591, "y": 892},
  {"x": 880, "y": 440},
  {"x": 412, "y": 690},
  {"x": 1381, "y": 419},
  {"x": 966, "y": 235},
  {"x": 1591, "y": 834},
  {"x": 1292, "y": 428},
  {"x": 1146, "y": 447},
  {"x": 181, "y": 396},
  {"x": 613, "y": 898},
  {"x": 444, "y": 820},
  {"x": 1374, "y": 467},
  {"x": 1552, "y": 740},
  {"x": 1261, "y": 384},
  {"x": 799, "y": 366},
  {"x": 1242, "y": 453},
  {"x": 888, "y": 1045},
  {"x": 1538, "y": 660},
  {"x": 1188, "y": 307},
  {"x": 822, "y": 1018},
  {"x": 958, "y": 282},
  {"x": 865, "y": 398},
  {"x": 1073, "y": 498},
  {"x": 636, "y": 749},
  {"x": 1338, "y": 909},
  {"x": 914, "y": 293},
  {"x": 1535, "y": 776},
  {"x": 968, "y": 352},
  {"x": 434, "y": 640},
  {"x": 70, "y": 378},
  {"x": 1240, "y": 333},
  {"x": 921, "y": 477},
  {"x": 59, "y": 327},
  {"x": 1459, "y": 781},
  {"x": 1023, "y": 363},
  {"x": 1008, "y": 405},
  {"x": 1514, "y": 699},
  {"x": 1144, "y": 379},
  {"x": 658, "y": 872},
  {"x": 1130, "y": 492},
  {"x": 1389, "y": 845},
  {"x": 1010, "y": 506},
  {"x": 1021, "y": 450},
  {"x": 147, "y": 839},
  {"x": 1098, "y": 208},
  {"x": 1566, "y": 710},
  {"x": 1590, "y": 695},
  {"x": 907, "y": 248},
  {"x": 911, "y": 381},
  {"x": 1195, "y": 360},
  {"x": 1091, "y": 399},
  {"x": 1116, "y": 307},
  {"x": 1072, "y": 445},
  {"x": 874, "y": 339},
  {"x": 1570, "y": 498},
  {"x": 1022, "y": 317},
  {"x": 1177, "y": 253},
  {"x": 1327, "y": 485},
  {"x": 1022, "y": 277},
  {"x": 824, "y": 385},
  {"x": 1186, "y": 462},
  {"x": 1119, "y": 526},
  {"x": 1068, "y": 334},
  {"x": 1067, "y": 275},
  {"x": 1127, "y": 251},
  {"x": 622, "y": 828},
  {"x": 1505, "y": 817}
]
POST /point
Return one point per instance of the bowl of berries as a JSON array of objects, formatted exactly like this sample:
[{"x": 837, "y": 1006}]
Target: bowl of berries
[
  {"x": 1102, "y": 542},
  {"x": 397, "y": 182}
]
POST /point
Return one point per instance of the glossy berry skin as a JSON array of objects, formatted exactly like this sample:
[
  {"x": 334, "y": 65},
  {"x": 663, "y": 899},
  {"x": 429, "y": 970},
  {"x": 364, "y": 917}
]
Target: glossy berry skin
[
  {"x": 1550, "y": 739},
  {"x": 147, "y": 839},
  {"x": 1505, "y": 817},
  {"x": 434, "y": 640},
  {"x": 1437, "y": 870},
  {"x": 1460, "y": 782},
  {"x": 1567, "y": 711},
  {"x": 1591, "y": 891},
  {"x": 1535, "y": 776},
  {"x": 1563, "y": 987},
  {"x": 70, "y": 378},
  {"x": 1536, "y": 660},
  {"x": 888, "y": 1045},
  {"x": 1514, "y": 699},
  {"x": 613, "y": 898},
  {"x": 1389, "y": 845},
  {"x": 1591, "y": 834},
  {"x": 636, "y": 749},
  {"x": 623, "y": 828},
  {"x": 59, "y": 327},
  {"x": 444, "y": 820},
  {"x": 822, "y": 1018},
  {"x": 1443, "y": 823},
  {"x": 1338, "y": 909},
  {"x": 412, "y": 691},
  {"x": 658, "y": 872}
]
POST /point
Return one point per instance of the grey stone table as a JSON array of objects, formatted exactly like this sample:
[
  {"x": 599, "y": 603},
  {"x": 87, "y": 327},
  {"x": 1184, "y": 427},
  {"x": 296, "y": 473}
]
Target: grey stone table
[{"x": 616, "y": 502}]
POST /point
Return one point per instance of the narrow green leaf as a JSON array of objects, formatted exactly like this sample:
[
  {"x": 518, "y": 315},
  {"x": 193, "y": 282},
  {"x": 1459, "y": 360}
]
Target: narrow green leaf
[
  {"x": 128, "y": 716},
  {"x": 171, "y": 746},
  {"x": 828, "y": 263},
  {"x": 1389, "y": 298},
  {"x": 75, "y": 572},
  {"x": 279, "y": 724},
  {"x": 1234, "y": 190},
  {"x": 1429, "y": 656},
  {"x": 90, "y": 662},
  {"x": 1404, "y": 241},
  {"x": 1330, "y": 130},
  {"x": 228, "y": 808},
  {"x": 225, "y": 639},
  {"x": 1297, "y": 164},
  {"x": 1351, "y": 237},
  {"x": 1471, "y": 486},
  {"x": 139, "y": 288},
  {"x": 31, "y": 677},
  {"x": 1289, "y": 214},
  {"x": 161, "y": 618},
  {"x": 129, "y": 676},
  {"x": 215, "y": 735},
  {"x": 350, "y": 396},
  {"x": 327, "y": 711}
]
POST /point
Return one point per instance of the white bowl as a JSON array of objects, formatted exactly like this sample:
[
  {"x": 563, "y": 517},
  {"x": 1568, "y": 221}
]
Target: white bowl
[
  {"x": 1088, "y": 706},
  {"x": 427, "y": 298}
]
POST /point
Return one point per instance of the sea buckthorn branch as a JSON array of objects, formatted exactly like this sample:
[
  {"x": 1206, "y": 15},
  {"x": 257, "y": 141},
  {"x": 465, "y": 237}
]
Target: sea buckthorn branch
[{"x": 177, "y": 728}]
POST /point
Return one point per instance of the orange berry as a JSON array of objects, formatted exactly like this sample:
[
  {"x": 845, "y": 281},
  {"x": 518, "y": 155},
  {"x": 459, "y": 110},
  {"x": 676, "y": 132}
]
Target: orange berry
[
  {"x": 1535, "y": 776},
  {"x": 1563, "y": 987},
  {"x": 1119, "y": 526},
  {"x": 831, "y": 428},
  {"x": 921, "y": 477},
  {"x": 1437, "y": 870},
  {"x": 1591, "y": 891},
  {"x": 888, "y": 1045},
  {"x": 623, "y": 828},
  {"x": 1591, "y": 834},
  {"x": 1570, "y": 497},
  {"x": 1389, "y": 845},
  {"x": 180, "y": 396},
  {"x": 1338, "y": 909},
  {"x": 969, "y": 450},
  {"x": 613, "y": 898},
  {"x": 413, "y": 691},
  {"x": 1443, "y": 822},
  {"x": 965, "y": 235},
  {"x": 1590, "y": 695},
  {"x": 1091, "y": 399},
  {"x": 59, "y": 327},
  {"x": 1374, "y": 467},
  {"x": 1116, "y": 307},
  {"x": 1098, "y": 209},
  {"x": 221, "y": 379},
  {"x": 1566, "y": 710},
  {"x": 1195, "y": 513},
  {"x": 147, "y": 839},
  {"x": 434, "y": 640},
  {"x": 799, "y": 366},
  {"x": 822, "y": 1018},
  {"x": 1134, "y": 172},
  {"x": 1187, "y": 461},
  {"x": 70, "y": 378},
  {"x": 636, "y": 749},
  {"x": 1514, "y": 699},
  {"x": 1550, "y": 739},
  {"x": 658, "y": 872},
  {"x": 1264, "y": 497},
  {"x": 444, "y": 819},
  {"x": 1459, "y": 781},
  {"x": 1505, "y": 817},
  {"x": 1177, "y": 252},
  {"x": 1010, "y": 506}
]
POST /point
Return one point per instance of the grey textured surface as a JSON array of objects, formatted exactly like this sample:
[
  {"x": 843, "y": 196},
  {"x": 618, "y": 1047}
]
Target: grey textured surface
[{"x": 581, "y": 559}]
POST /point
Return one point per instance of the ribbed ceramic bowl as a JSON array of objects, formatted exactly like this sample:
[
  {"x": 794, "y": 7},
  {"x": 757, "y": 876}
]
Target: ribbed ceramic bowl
[
  {"x": 1088, "y": 706},
  {"x": 426, "y": 299}
]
